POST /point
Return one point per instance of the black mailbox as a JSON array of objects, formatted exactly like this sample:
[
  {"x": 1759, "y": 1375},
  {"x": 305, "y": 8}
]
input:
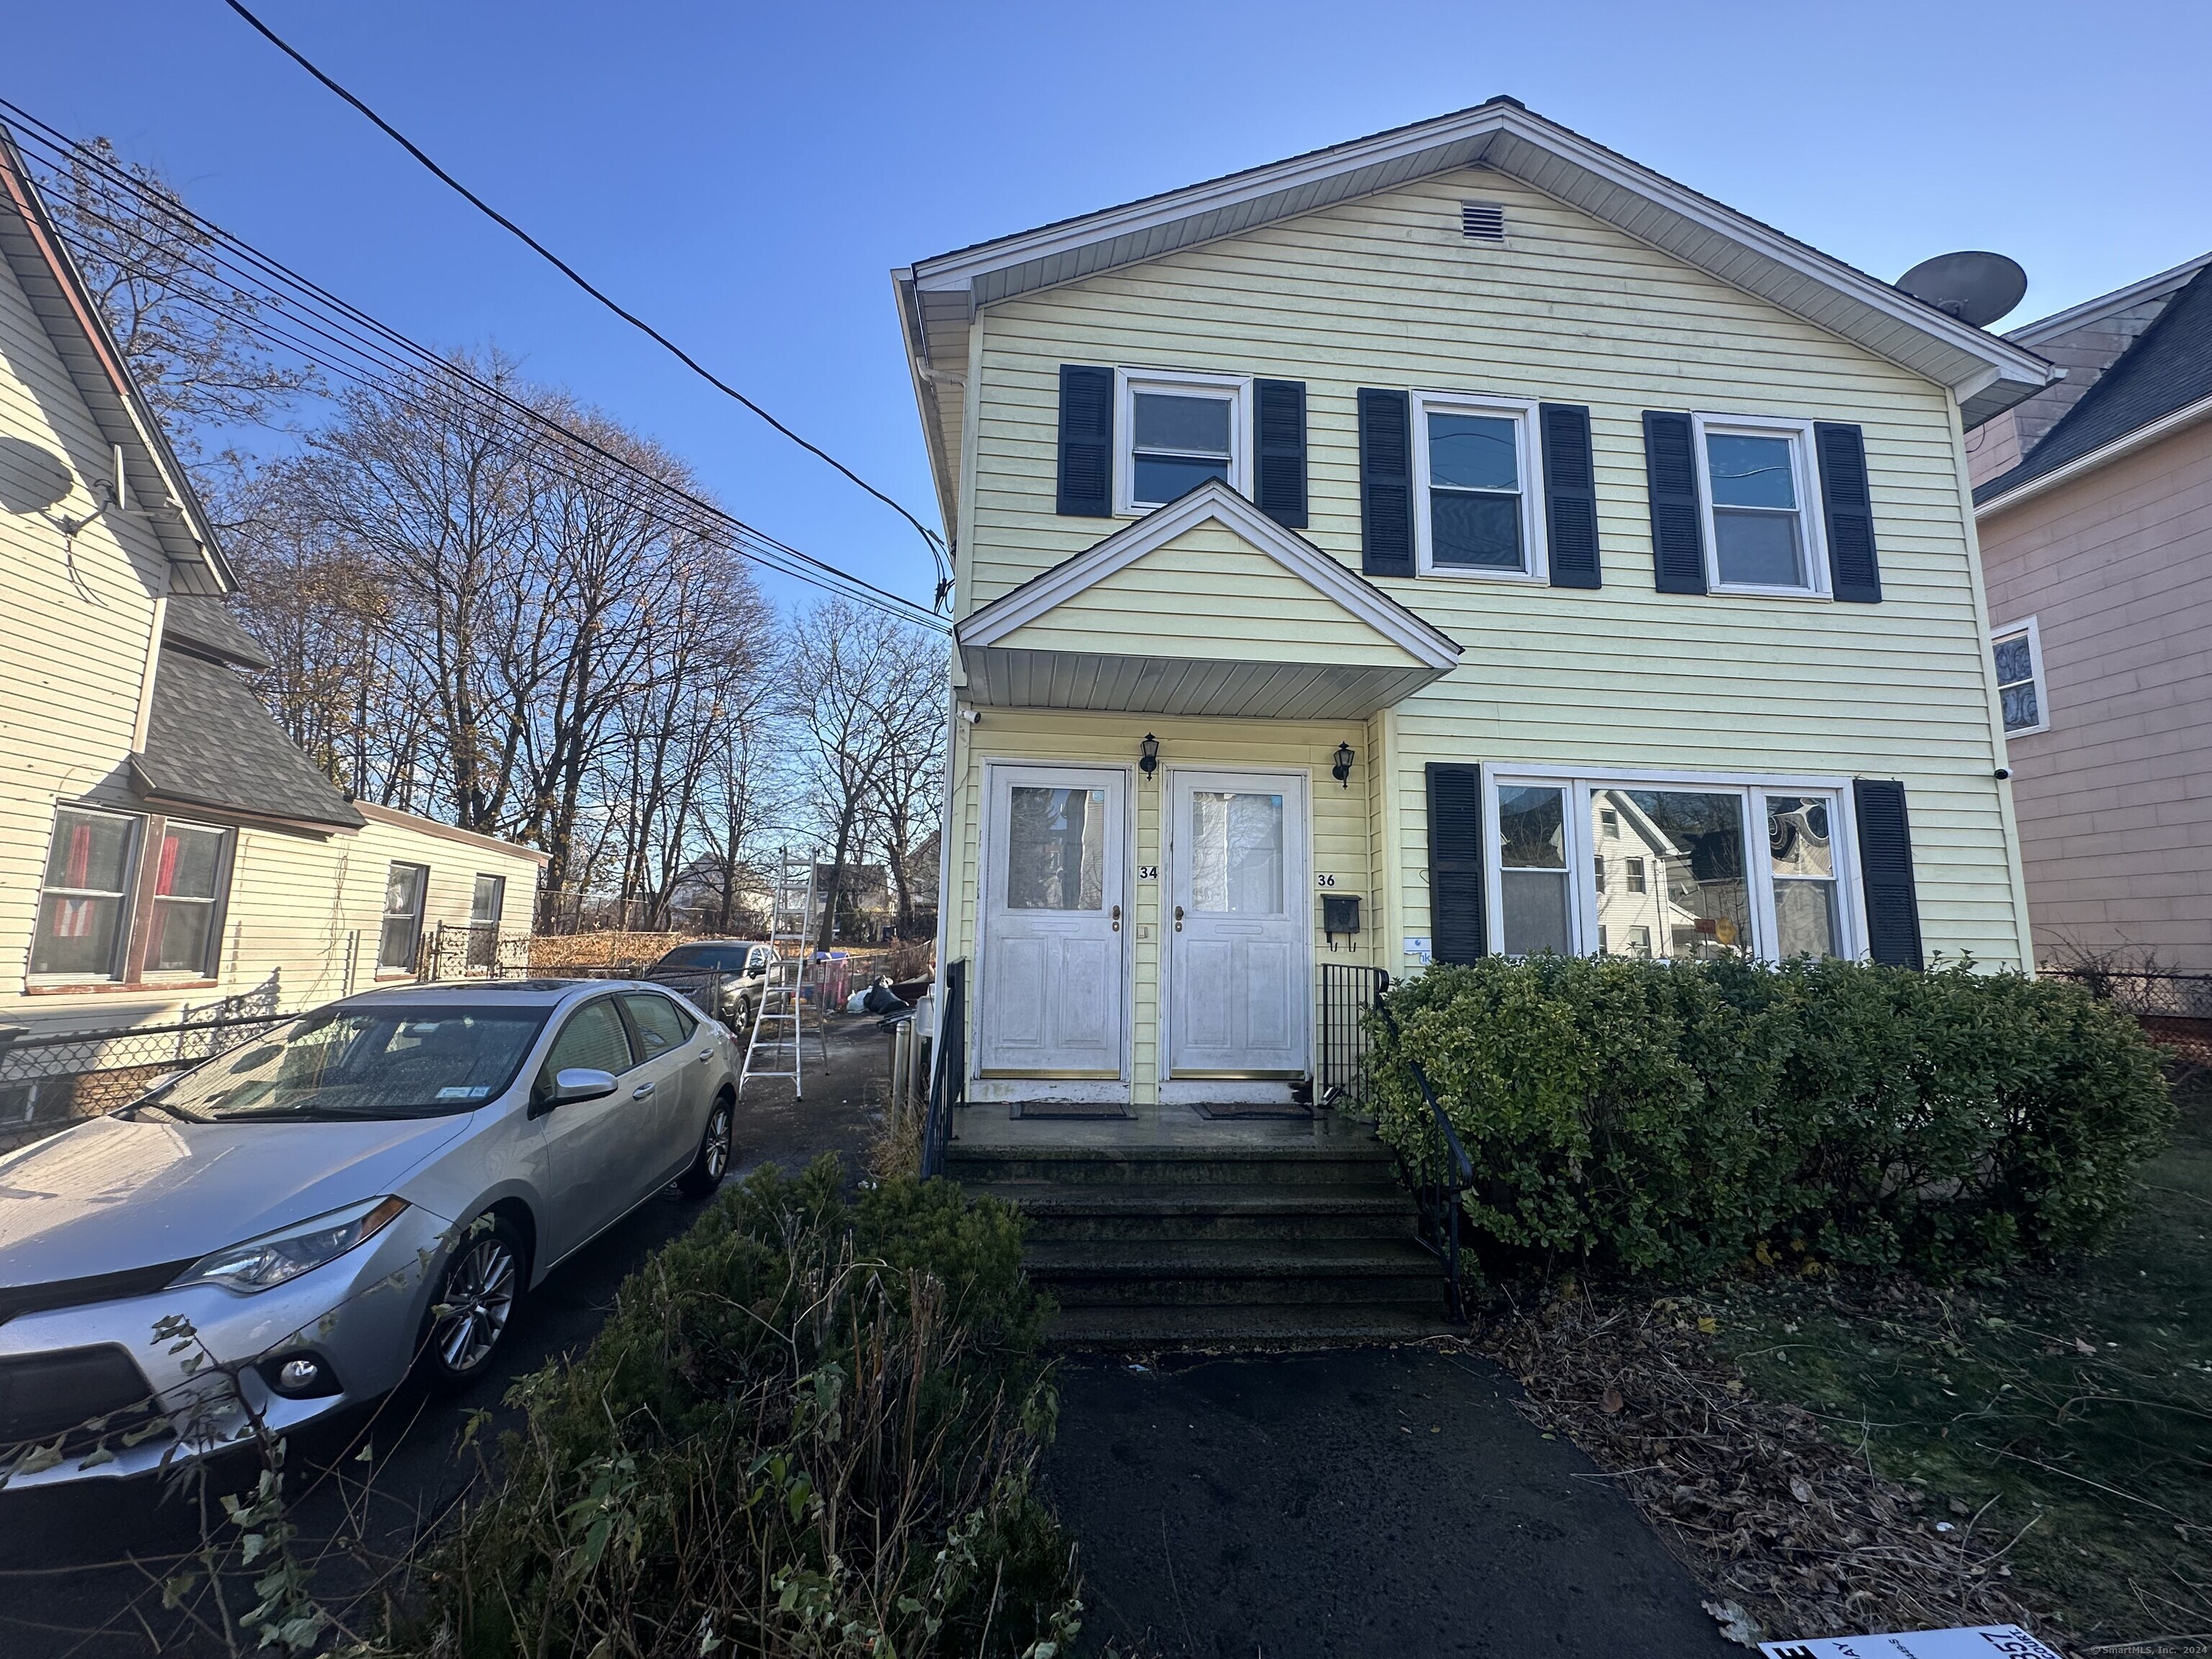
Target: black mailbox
[{"x": 1339, "y": 914}]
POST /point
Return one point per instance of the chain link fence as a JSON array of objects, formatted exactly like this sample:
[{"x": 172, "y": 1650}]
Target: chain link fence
[{"x": 50, "y": 1080}]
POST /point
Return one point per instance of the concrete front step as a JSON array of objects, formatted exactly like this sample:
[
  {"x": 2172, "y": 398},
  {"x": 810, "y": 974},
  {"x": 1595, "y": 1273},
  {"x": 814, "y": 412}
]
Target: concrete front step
[
  {"x": 1338, "y": 1165},
  {"x": 1086, "y": 1274},
  {"x": 1257, "y": 1326},
  {"x": 1192, "y": 1211}
]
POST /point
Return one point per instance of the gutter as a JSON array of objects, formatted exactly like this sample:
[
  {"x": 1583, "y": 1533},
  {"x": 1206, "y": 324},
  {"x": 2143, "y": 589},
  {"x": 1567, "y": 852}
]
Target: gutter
[{"x": 2142, "y": 438}]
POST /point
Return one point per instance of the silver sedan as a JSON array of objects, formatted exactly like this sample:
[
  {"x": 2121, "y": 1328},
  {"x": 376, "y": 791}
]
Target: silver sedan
[{"x": 295, "y": 1224}]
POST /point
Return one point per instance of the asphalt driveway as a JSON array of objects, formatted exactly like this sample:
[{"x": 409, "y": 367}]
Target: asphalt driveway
[{"x": 1371, "y": 1501}]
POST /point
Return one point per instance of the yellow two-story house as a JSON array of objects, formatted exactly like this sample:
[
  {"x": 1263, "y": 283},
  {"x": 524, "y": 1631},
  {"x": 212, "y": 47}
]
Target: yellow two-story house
[{"x": 1460, "y": 540}]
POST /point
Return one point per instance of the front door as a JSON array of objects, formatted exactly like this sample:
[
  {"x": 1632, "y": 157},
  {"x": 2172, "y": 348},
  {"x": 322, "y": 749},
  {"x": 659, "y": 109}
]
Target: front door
[
  {"x": 1050, "y": 998},
  {"x": 1237, "y": 944}
]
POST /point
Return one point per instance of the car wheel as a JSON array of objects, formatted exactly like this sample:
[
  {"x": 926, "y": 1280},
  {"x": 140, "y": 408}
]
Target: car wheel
[
  {"x": 475, "y": 1304},
  {"x": 744, "y": 1014},
  {"x": 712, "y": 1161}
]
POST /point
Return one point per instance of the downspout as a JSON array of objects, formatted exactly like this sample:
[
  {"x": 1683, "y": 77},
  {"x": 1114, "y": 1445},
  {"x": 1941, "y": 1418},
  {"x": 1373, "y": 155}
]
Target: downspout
[{"x": 145, "y": 716}]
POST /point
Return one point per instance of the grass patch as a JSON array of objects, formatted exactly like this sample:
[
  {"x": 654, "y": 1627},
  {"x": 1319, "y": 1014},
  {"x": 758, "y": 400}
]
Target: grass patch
[{"x": 2069, "y": 1408}]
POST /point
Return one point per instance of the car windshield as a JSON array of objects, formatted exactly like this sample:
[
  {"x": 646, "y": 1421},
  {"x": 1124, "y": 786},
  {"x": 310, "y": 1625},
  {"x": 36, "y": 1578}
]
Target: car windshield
[
  {"x": 373, "y": 1063},
  {"x": 711, "y": 958}
]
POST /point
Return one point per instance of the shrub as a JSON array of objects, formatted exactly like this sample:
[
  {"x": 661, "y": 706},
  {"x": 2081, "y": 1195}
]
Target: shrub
[
  {"x": 1663, "y": 1119},
  {"x": 808, "y": 1427}
]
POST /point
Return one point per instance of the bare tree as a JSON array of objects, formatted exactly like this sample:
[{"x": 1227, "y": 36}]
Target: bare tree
[
  {"x": 853, "y": 677},
  {"x": 186, "y": 333}
]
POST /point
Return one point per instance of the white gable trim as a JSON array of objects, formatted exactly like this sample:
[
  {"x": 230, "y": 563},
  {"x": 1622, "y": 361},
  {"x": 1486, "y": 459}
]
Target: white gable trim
[
  {"x": 1217, "y": 503},
  {"x": 1986, "y": 373}
]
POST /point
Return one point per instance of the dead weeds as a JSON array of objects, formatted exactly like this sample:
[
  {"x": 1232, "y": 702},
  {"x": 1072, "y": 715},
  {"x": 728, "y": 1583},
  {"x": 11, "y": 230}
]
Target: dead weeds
[{"x": 1796, "y": 1529}]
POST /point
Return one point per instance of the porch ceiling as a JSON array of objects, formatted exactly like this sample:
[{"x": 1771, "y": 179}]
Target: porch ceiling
[{"x": 1203, "y": 607}]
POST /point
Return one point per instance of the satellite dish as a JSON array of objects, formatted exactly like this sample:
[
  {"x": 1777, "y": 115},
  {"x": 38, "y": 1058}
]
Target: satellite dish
[{"x": 1975, "y": 288}]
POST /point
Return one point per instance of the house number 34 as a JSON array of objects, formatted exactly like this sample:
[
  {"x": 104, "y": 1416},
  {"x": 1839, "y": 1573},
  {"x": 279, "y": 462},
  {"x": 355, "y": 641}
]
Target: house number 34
[{"x": 1148, "y": 872}]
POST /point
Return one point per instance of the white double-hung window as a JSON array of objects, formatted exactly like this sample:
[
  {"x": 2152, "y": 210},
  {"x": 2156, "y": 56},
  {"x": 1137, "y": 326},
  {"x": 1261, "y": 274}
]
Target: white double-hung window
[
  {"x": 1683, "y": 866},
  {"x": 1762, "y": 502},
  {"x": 2018, "y": 651},
  {"x": 1176, "y": 430},
  {"x": 1479, "y": 501}
]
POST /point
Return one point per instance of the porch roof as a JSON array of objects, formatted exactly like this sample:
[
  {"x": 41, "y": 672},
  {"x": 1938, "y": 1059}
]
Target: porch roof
[{"x": 1203, "y": 607}]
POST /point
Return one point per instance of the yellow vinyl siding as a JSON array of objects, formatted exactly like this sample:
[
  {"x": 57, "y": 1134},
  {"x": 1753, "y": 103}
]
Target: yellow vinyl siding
[
  {"x": 1384, "y": 292},
  {"x": 1170, "y": 601}
]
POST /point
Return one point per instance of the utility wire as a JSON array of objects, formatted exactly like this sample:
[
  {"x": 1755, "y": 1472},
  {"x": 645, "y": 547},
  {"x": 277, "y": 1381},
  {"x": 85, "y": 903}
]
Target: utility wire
[
  {"x": 359, "y": 335},
  {"x": 929, "y": 537}
]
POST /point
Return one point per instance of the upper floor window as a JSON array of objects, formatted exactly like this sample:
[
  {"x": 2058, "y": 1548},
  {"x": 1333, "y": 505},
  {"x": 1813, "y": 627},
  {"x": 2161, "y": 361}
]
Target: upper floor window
[
  {"x": 84, "y": 906},
  {"x": 1479, "y": 508},
  {"x": 1761, "y": 499},
  {"x": 2019, "y": 652},
  {"x": 404, "y": 892},
  {"x": 1180, "y": 429}
]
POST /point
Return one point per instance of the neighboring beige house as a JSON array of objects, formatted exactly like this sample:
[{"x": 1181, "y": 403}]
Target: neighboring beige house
[
  {"x": 2094, "y": 501},
  {"x": 1369, "y": 526},
  {"x": 165, "y": 851}
]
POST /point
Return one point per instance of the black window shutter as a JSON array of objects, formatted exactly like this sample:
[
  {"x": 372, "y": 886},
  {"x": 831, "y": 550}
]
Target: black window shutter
[
  {"x": 1087, "y": 441},
  {"x": 1854, "y": 573},
  {"x": 1386, "y": 483},
  {"x": 1281, "y": 420},
  {"x": 1678, "y": 527},
  {"x": 1892, "y": 905},
  {"x": 1457, "y": 928},
  {"x": 1569, "y": 495}
]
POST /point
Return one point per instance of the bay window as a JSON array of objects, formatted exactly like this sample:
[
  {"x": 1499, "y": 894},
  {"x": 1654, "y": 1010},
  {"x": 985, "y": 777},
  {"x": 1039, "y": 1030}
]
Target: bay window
[{"x": 1685, "y": 868}]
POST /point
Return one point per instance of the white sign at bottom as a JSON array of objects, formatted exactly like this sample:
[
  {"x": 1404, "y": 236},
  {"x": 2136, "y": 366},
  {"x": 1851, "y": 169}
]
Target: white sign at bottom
[{"x": 1977, "y": 1642}]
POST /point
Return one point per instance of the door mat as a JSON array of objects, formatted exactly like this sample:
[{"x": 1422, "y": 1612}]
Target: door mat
[
  {"x": 1237, "y": 1110},
  {"x": 1065, "y": 1110}
]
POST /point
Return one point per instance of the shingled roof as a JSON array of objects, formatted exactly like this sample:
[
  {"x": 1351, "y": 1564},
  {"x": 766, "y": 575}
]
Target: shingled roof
[
  {"x": 206, "y": 626},
  {"x": 2167, "y": 369},
  {"x": 210, "y": 743}
]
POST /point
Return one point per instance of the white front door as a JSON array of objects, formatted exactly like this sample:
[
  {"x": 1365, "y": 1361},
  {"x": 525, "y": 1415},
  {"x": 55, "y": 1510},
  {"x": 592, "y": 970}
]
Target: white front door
[
  {"x": 1050, "y": 999},
  {"x": 1238, "y": 951}
]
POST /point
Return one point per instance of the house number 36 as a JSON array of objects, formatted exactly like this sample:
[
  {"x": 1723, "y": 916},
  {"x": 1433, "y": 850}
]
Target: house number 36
[{"x": 1324, "y": 881}]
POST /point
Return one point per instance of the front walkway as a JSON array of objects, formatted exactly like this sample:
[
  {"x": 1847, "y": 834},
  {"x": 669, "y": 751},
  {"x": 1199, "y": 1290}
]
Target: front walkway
[{"x": 1367, "y": 1501}]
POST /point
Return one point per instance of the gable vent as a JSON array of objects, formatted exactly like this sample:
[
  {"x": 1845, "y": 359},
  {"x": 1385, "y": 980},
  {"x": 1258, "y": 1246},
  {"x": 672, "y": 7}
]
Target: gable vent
[{"x": 1482, "y": 221}]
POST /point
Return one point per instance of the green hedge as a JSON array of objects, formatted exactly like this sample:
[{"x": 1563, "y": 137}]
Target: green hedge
[
  {"x": 809, "y": 1426},
  {"x": 1668, "y": 1120}
]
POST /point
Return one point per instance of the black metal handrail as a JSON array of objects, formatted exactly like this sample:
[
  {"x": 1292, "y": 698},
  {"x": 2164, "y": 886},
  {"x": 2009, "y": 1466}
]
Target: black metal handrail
[
  {"x": 1445, "y": 1173},
  {"x": 948, "y": 1071}
]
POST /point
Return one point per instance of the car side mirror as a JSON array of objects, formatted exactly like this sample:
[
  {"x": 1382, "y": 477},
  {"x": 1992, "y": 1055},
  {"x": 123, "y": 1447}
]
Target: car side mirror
[{"x": 574, "y": 1084}]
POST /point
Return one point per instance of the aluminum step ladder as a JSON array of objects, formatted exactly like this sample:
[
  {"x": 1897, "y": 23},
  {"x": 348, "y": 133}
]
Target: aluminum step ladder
[{"x": 780, "y": 1027}]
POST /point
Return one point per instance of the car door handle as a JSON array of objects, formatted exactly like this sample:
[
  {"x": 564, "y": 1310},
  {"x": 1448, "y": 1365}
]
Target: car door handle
[
  {"x": 640, "y": 1091},
  {"x": 704, "y": 1056}
]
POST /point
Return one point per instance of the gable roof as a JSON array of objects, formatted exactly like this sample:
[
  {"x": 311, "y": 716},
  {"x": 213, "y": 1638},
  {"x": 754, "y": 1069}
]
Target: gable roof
[
  {"x": 938, "y": 296},
  {"x": 2163, "y": 379},
  {"x": 1222, "y": 662},
  {"x": 31, "y": 246}
]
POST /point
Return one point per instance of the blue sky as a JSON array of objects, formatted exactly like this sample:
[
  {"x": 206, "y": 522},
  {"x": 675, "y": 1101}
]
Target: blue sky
[{"x": 746, "y": 175}]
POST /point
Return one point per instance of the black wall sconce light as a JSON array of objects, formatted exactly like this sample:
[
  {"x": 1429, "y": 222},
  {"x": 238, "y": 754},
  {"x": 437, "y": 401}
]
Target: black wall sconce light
[
  {"x": 1342, "y": 770},
  {"x": 1148, "y": 754}
]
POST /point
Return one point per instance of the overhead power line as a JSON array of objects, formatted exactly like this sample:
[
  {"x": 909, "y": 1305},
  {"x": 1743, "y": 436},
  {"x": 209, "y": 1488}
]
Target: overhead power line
[
  {"x": 291, "y": 313},
  {"x": 930, "y": 537}
]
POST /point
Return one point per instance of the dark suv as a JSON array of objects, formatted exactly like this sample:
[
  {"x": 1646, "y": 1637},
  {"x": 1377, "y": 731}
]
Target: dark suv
[{"x": 722, "y": 976}]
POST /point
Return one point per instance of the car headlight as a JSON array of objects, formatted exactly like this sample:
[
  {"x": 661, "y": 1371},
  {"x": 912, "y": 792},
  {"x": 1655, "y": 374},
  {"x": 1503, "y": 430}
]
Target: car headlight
[{"x": 259, "y": 1264}]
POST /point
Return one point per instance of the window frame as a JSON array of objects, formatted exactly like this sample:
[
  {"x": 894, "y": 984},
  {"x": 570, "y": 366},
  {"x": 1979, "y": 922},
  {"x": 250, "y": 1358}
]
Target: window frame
[
  {"x": 1236, "y": 389},
  {"x": 118, "y": 971},
  {"x": 1536, "y": 565},
  {"x": 384, "y": 916},
  {"x": 1805, "y": 472},
  {"x": 218, "y": 906},
  {"x": 2034, "y": 632},
  {"x": 1752, "y": 790}
]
